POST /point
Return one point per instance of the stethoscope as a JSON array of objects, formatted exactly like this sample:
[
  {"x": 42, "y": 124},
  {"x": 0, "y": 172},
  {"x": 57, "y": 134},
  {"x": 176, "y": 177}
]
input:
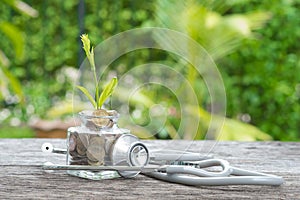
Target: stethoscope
[{"x": 131, "y": 157}]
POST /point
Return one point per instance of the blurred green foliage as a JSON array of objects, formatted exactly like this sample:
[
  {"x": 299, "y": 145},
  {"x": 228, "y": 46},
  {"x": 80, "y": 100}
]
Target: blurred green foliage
[
  {"x": 220, "y": 33},
  {"x": 263, "y": 77},
  {"x": 11, "y": 91},
  {"x": 16, "y": 132},
  {"x": 10, "y": 87},
  {"x": 261, "y": 73}
]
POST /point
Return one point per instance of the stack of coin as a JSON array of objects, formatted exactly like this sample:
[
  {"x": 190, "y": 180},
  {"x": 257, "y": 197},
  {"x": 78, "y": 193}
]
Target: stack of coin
[
  {"x": 101, "y": 119},
  {"x": 77, "y": 148},
  {"x": 101, "y": 122},
  {"x": 89, "y": 148},
  {"x": 95, "y": 151}
]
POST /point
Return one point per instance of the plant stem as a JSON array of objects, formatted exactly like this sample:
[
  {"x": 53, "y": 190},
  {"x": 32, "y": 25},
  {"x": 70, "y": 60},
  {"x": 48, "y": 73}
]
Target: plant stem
[{"x": 96, "y": 87}]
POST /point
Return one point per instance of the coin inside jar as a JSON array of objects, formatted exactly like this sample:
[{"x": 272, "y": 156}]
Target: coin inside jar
[
  {"x": 101, "y": 122},
  {"x": 109, "y": 140},
  {"x": 79, "y": 161},
  {"x": 95, "y": 163},
  {"x": 82, "y": 143},
  {"x": 95, "y": 151},
  {"x": 72, "y": 142}
]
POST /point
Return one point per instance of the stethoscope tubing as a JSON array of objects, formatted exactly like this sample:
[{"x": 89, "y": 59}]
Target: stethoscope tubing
[
  {"x": 226, "y": 170},
  {"x": 215, "y": 181}
]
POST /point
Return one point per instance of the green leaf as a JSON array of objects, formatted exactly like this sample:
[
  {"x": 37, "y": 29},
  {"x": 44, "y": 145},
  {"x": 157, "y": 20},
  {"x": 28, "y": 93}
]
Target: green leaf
[
  {"x": 87, "y": 94},
  {"x": 89, "y": 51},
  {"x": 13, "y": 83},
  {"x": 107, "y": 91},
  {"x": 86, "y": 44},
  {"x": 22, "y": 7},
  {"x": 3, "y": 59},
  {"x": 15, "y": 36}
]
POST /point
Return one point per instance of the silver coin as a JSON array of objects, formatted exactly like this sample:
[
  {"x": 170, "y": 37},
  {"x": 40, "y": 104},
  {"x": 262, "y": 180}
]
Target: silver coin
[
  {"x": 79, "y": 162},
  {"x": 95, "y": 151},
  {"x": 72, "y": 142},
  {"x": 82, "y": 143},
  {"x": 101, "y": 122},
  {"x": 112, "y": 113},
  {"x": 109, "y": 140},
  {"x": 97, "y": 163}
]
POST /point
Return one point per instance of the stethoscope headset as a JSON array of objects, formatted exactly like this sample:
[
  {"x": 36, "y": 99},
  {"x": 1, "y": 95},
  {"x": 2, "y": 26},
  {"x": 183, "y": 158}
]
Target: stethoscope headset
[{"x": 131, "y": 157}]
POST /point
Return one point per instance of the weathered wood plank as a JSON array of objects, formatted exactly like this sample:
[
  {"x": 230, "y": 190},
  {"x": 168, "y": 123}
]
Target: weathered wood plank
[{"x": 22, "y": 177}]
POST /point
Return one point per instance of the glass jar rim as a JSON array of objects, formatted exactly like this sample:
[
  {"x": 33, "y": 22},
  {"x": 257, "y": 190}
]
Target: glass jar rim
[{"x": 88, "y": 114}]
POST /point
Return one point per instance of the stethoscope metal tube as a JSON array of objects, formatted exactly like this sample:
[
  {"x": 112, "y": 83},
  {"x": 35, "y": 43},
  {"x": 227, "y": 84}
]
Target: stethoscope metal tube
[
  {"x": 144, "y": 169},
  {"x": 48, "y": 148},
  {"x": 177, "y": 155}
]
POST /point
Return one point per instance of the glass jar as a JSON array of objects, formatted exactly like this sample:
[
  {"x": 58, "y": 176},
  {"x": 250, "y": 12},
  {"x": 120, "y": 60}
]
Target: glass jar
[{"x": 98, "y": 141}]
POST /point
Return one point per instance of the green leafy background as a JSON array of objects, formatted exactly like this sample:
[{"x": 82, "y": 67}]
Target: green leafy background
[{"x": 40, "y": 48}]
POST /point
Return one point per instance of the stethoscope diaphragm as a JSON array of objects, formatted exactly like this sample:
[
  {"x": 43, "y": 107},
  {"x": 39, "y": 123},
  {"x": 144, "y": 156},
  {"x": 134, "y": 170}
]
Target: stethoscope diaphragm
[
  {"x": 138, "y": 154},
  {"x": 128, "y": 151}
]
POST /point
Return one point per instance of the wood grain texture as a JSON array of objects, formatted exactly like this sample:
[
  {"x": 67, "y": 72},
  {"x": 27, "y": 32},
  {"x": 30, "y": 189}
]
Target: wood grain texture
[{"x": 22, "y": 177}]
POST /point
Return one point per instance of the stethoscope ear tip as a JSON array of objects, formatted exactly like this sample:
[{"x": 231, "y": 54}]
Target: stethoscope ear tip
[{"x": 47, "y": 147}]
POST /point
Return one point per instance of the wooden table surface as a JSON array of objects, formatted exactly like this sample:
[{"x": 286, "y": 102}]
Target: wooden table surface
[{"x": 22, "y": 177}]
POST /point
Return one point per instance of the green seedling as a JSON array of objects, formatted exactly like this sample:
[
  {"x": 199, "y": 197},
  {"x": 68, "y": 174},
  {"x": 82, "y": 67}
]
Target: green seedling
[{"x": 100, "y": 97}]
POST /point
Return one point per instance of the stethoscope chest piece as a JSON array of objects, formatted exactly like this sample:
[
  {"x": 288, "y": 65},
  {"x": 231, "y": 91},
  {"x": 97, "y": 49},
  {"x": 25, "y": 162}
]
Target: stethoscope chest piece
[
  {"x": 138, "y": 154},
  {"x": 128, "y": 151}
]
